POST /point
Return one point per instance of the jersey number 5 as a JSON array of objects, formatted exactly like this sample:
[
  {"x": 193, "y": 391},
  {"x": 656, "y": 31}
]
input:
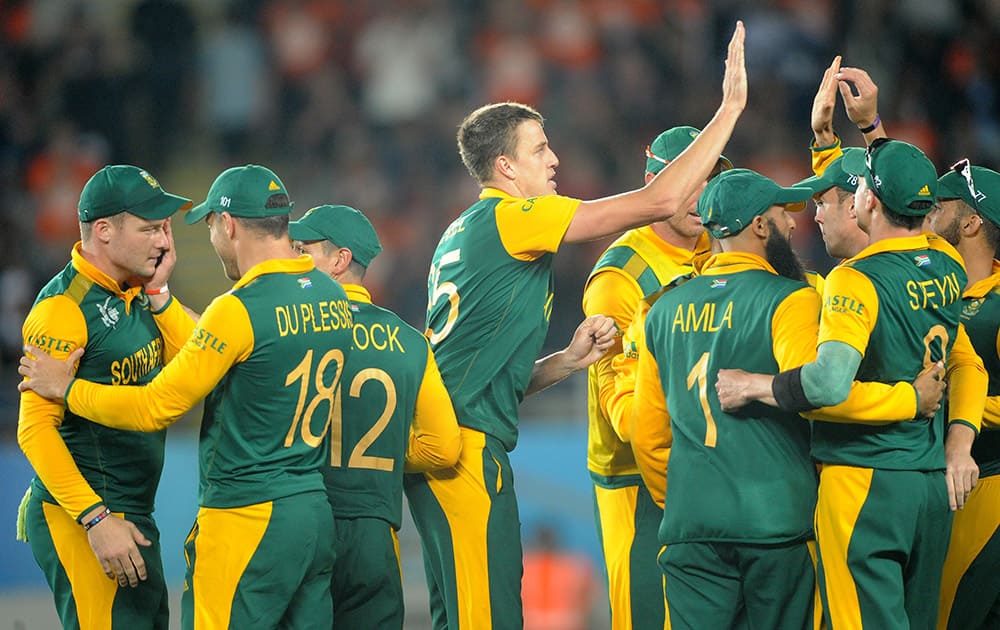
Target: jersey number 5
[{"x": 444, "y": 289}]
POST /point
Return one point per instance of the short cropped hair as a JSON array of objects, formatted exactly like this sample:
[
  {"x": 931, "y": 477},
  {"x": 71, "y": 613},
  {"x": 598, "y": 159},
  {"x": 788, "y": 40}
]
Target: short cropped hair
[
  {"x": 87, "y": 227},
  {"x": 907, "y": 221},
  {"x": 488, "y": 133},
  {"x": 274, "y": 227}
]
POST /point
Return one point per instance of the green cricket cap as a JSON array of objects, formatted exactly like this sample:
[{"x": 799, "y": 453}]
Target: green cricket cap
[
  {"x": 343, "y": 226},
  {"x": 834, "y": 176},
  {"x": 249, "y": 191},
  {"x": 900, "y": 175},
  {"x": 124, "y": 188},
  {"x": 731, "y": 200},
  {"x": 986, "y": 182},
  {"x": 671, "y": 143}
]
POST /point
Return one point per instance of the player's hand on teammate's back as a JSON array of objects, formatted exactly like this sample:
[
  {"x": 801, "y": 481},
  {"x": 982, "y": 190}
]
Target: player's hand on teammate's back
[
  {"x": 592, "y": 339},
  {"x": 114, "y": 541},
  {"x": 734, "y": 82},
  {"x": 930, "y": 386},
  {"x": 47, "y": 376},
  {"x": 738, "y": 388}
]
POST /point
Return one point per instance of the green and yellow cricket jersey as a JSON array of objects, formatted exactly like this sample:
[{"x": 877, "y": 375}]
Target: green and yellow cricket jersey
[
  {"x": 981, "y": 318},
  {"x": 394, "y": 404},
  {"x": 489, "y": 301},
  {"x": 269, "y": 355},
  {"x": 80, "y": 465},
  {"x": 636, "y": 265},
  {"x": 746, "y": 477},
  {"x": 898, "y": 303}
]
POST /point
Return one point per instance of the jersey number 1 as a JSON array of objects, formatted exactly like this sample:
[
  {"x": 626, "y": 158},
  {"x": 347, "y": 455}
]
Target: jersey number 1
[{"x": 699, "y": 374}]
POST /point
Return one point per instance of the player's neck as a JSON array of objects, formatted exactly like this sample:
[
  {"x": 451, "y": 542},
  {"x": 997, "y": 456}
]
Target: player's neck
[
  {"x": 978, "y": 258},
  {"x": 881, "y": 229},
  {"x": 672, "y": 237},
  {"x": 252, "y": 253},
  {"x": 94, "y": 254}
]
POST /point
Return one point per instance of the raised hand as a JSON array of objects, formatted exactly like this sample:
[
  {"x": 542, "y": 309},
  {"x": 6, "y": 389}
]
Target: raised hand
[
  {"x": 863, "y": 108},
  {"x": 734, "y": 82},
  {"x": 163, "y": 270},
  {"x": 823, "y": 106}
]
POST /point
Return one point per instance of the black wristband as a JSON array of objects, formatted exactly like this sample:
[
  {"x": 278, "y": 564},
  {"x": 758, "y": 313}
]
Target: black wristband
[
  {"x": 872, "y": 127},
  {"x": 787, "y": 390}
]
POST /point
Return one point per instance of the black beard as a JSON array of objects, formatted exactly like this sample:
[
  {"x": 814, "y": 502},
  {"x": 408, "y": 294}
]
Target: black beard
[
  {"x": 951, "y": 233},
  {"x": 779, "y": 253}
]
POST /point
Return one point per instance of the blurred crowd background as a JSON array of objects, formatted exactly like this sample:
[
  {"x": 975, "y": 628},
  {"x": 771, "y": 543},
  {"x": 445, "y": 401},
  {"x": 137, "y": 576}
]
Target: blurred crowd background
[{"x": 358, "y": 103}]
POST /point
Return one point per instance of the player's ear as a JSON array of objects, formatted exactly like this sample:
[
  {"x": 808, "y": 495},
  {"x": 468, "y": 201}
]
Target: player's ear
[
  {"x": 759, "y": 226},
  {"x": 504, "y": 167}
]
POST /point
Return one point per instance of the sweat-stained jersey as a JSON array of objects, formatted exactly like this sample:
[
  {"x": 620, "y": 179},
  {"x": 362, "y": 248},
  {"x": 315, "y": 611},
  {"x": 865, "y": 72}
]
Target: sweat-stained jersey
[
  {"x": 981, "y": 318},
  {"x": 489, "y": 300},
  {"x": 269, "y": 355},
  {"x": 80, "y": 464},
  {"x": 898, "y": 303},
  {"x": 745, "y": 477},
  {"x": 634, "y": 266},
  {"x": 394, "y": 404}
]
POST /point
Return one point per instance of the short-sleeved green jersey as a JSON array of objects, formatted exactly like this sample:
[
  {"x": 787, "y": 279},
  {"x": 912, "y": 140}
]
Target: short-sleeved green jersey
[
  {"x": 123, "y": 347},
  {"x": 744, "y": 477},
  {"x": 981, "y": 316},
  {"x": 489, "y": 300},
  {"x": 913, "y": 298},
  {"x": 379, "y": 387},
  {"x": 267, "y": 424}
]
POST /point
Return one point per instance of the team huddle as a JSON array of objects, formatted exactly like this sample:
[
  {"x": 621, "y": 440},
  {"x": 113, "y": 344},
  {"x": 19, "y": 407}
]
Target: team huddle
[{"x": 828, "y": 442}]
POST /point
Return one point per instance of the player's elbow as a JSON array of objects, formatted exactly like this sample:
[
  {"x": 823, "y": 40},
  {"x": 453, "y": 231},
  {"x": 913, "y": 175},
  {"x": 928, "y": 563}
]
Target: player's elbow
[
  {"x": 833, "y": 394},
  {"x": 450, "y": 450}
]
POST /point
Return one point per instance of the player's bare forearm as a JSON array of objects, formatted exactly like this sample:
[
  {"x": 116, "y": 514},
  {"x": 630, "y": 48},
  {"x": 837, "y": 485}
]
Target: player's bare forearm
[
  {"x": 591, "y": 340},
  {"x": 737, "y": 388},
  {"x": 961, "y": 470}
]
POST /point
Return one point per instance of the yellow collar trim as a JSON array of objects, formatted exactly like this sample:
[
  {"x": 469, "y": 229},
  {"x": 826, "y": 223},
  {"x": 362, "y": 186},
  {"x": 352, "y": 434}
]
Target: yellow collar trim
[
  {"x": 301, "y": 264},
  {"x": 734, "y": 262},
  {"x": 357, "y": 293}
]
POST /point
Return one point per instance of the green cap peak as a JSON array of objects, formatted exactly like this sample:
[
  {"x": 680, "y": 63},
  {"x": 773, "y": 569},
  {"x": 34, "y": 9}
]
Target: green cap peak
[
  {"x": 125, "y": 188},
  {"x": 731, "y": 200},
  {"x": 341, "y": 225},
  {"x": 249, "y": 191}
]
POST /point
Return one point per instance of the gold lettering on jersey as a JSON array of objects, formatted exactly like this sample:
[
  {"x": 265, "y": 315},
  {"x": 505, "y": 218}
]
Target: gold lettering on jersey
[
  {"x": 934, "y": 293},
  {"x": 843, "y": 304},
  {"x": 457, "y": 226},
  {"x": 207, "y": 341},
  {"x": 44, "y": 342},
  {"x": 309, "y": 317},
  {"x": 377, "y": 336},
  {"x": 688, "y": 318},
  {"x": 131, "y": 369}
]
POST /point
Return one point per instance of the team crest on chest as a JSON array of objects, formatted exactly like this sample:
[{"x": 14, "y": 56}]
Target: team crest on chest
[
  {"x": 109, "y": 314},
  {"x": 971, "y": 308}
]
